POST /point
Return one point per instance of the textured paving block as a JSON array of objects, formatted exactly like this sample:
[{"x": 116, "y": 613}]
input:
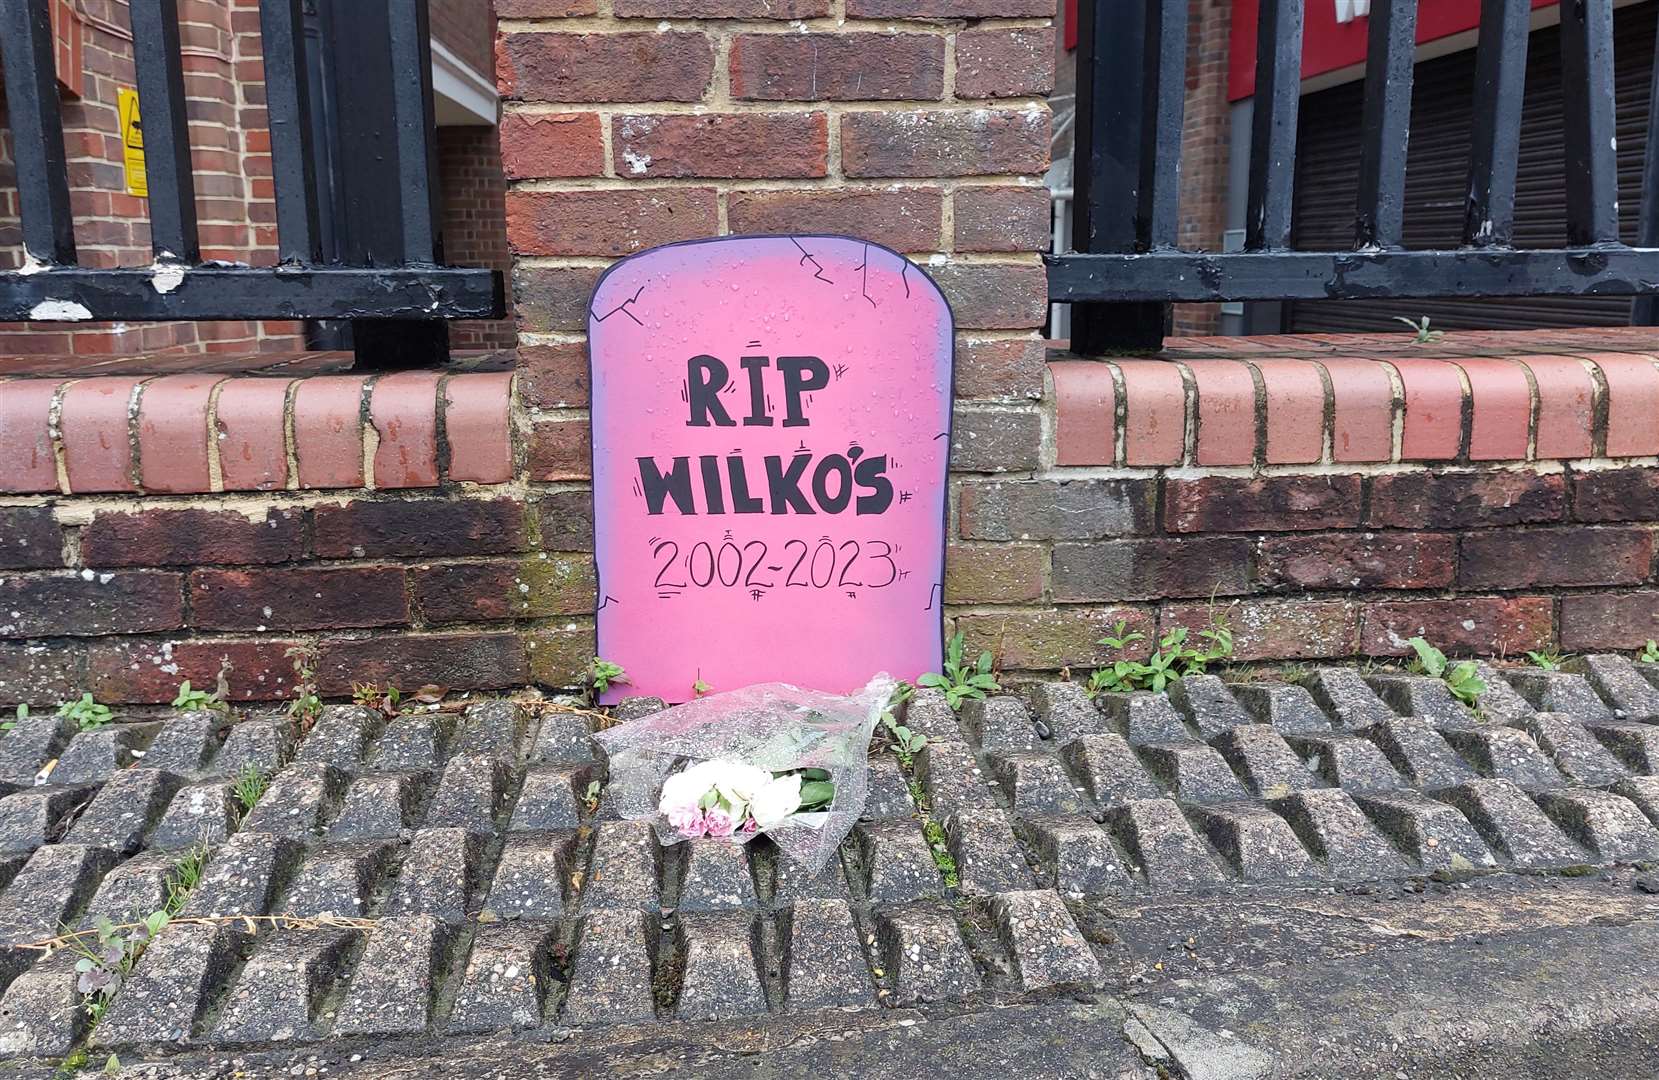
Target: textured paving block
[
  {"x": 1066, "y": 709},
  {"x": 169, "y": 990},
  {"x": 439, "y": 875},
  {"x": 1047, "y": 947},
  {"x": 888, "y": 796},
  {"x": 1562, "y": 692},
  {"x": 823, "y": 963},
  {"x": 1500, "y": 703},
  {"x": 637, "y": 707},
  {"x": 41, "y": 1014},
  {"x": 1109, "y": 769},
  {"x": 1347, "y": 698},
  {"x": 1349, "y": 762},
  {"x": 928, "y": 712},
  {"x": 131, "y": 891},
  {"x": 377, "y": 806},
  {"x": 1289, "y": 710},
  {"x": 1076, "y": 855},
  {"x": 505, "y": 979},
  {"x": 1619, "y": 683},
  {"x": 923, "y": 955},
  {"x": 999, "y": 723},
  {"x": 53, "y": 885},
  {"x": 340, "y": 737},
  {"x": 245, "y": 875},
  {"x": 259, "y": 744},
  {"x": 1508, "y": 753},
  {"x": 624, "y": 869},
  {"x": 1340, "y": 836},
  {"x": 1611, "y": 826},
  {"x": 1259, "y": 845},
  {"x": 1035, "y": 783},
  {"x": 1156, "y": 835},
  {"x": 395, "y": 984},
  {"x": 1422, "y": 697},
  {"x": 339, "y": 879},
  {"x": 29, "y": 818},
  {"x": 1193, "y": 772},
  {"x": 198, "y": 814},
  {"x": 472, "y": 794},
  {"x": 1421, "y": 754},
  {"x": 1513, "y": 825},
  {"x": 988, "y": 858},
  {"x": 1263, "y": 760},
  {"x": 186, "y": 743},
  {"x": 1433, "y": 833},
  {"x": 124, "y": 809},
  {"x": 562, "y": 739},
  {"x": 1643, "y": 791},
  {"x": 1207, "y": 705},
  {"x": 897, "y": 862},
  {"x": 31, "y": 744},
  {"x": 793, "y": 881},
  {"x": 1574, "y": 750},
  {"x": 1144, "y": 718},
  {"x": 94, "y": 756},
  {"x": 548, "y": 799},
  {"x": 721, "y": 979},
  {"x": 530, "y": 876},
  {"x": 276, "y": 997},
  {"x": 298, "y": 802},
  {"x": 610, "y": 977},
  {"x": 494, "y": 729},
  {"x": 1634, "y": 745},
  {"x": 714, "y": 875},
  {"x": 953, "y": 779},
  {"x": 412, "y": 743}
]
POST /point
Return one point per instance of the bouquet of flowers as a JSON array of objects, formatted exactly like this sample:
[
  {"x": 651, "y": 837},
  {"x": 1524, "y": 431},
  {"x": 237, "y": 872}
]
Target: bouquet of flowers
[{"x": 773, "y": 760}]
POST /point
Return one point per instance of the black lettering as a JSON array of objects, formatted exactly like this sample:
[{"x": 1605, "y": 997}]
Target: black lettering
[
  {"x": 713, "y": 494},
  {"x": 676, "y": 485},
  {"x": 705, "y": 378},
  {"x": 742, "y": 501},
  {"x": 801, "y": 375},
  {"x": 758, "y": 416},
  {"x": 871, "y": 473},
  {"x": 785, "y": 485},
  {"x": 830, "y": 466}
]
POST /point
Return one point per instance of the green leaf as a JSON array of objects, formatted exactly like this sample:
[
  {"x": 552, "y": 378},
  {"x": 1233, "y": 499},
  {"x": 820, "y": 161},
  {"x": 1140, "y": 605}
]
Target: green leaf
[
  {"x": 817, "y": 792},
  {"x": 933, "y": 679},
  {"x": 818, "y": 774},
  {"x": 1431, "y": 659}
]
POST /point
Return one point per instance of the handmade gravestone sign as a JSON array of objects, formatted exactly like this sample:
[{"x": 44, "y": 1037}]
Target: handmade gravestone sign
[{"x": 771, "y": 431}]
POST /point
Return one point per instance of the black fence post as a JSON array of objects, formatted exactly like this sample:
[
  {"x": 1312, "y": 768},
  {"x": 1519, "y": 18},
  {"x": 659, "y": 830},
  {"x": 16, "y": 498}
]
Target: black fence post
[{"x": 1111, "y": 120}]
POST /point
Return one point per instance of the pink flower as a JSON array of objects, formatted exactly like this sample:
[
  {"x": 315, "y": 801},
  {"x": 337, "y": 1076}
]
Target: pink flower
[
  {"x": 688, "y": 820},
  {"x": 719, "y": 822},
  {"x": 750, "y": 825}
]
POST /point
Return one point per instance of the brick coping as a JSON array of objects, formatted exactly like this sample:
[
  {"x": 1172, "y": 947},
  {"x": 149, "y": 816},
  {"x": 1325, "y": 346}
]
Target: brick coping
[{"x": 1332, "y": 399}]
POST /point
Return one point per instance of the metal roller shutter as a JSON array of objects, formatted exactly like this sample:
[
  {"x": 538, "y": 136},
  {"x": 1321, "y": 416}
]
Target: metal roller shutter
[{"x": 1437, "y": 174}]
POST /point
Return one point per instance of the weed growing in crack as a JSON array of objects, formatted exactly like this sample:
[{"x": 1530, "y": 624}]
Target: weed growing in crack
[
  {"x": 942, "y": 857},
  {"x": 1650, "y": 652},
  {"x": 906, "y": 744},
  {"x": 590, "y": 797},
  {"x": 1548, "y": 659},
  {"x": 602, "y": 673},
  {"x": 1175, "y": 657},
  {"x": 18, "y": 717},
  {"x": 248, "y": 788},
  {"x": 185, "y": 875},
  {"x": 961, "y": 681},
  {"x": 108, "y": 958},
  {"x": 1421, "y": 334},
  {"x": 191, "y": 699},
  {"x": 1461, "y": 678},
  {"x": 306, "y": 706},
  {"x": 369, "y": 696},
  {"x": 88, "y": 715}
]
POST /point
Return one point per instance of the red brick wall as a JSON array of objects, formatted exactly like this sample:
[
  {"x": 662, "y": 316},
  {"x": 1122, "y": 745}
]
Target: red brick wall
[
  {"x": 467, "y": 27},
  {"x": 474, "y": 222},
  {"x": 1205, "y": 138}
]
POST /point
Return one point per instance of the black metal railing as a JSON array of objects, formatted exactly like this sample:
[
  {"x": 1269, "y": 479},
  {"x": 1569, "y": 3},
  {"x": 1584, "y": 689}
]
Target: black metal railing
[
  {"x": 387, "y": 280},
  {"x": 1131, "y": 86}
]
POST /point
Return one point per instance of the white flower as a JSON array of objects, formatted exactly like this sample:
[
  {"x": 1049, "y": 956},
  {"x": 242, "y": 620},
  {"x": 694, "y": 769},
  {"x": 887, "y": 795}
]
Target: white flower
[
  {"x": 737, "y": 783},
  {"x": 686, "y": 788},
  {"x": 776, "y": 800}
]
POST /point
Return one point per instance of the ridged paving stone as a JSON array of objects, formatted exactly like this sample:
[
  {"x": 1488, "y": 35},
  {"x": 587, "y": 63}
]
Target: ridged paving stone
[
  {"x": 52, "y": 886},
  {"x": 186, "y": 743},
  {"x": 1635, "y": 745},
  {"x": 610, "y": 979},
  {"x": 1207, "y": 705},
  {"x": 953, "y": 779},
  {"x": 1501, "y": 703},
  {"x": 1420, "y": 753},
  {"x": 201, "y": 813},
  {"x": 376, "y": 806},
  {"x": 505, "y": 978},
  {"x": 1259, "y": 845},
  {"x": 1157, "y": 836},
  {"x": 1035, "y": 783},
  {"x": 928, "y": 713},
  {"x": 1109, "y": 769},
  {"x": 714, "y": 875},
  {"x": 340, "y": 737},
  {"x": 1349, "y": 762},
  {"x": 623, "y": 872},
  {"x": 394, "y": 986},
  {"x": 721, "y": 976},
  {"x": 1142, "y": 717},
  {"x": 1067, "y": 710},
  {"x": 1513, "y": 825},
  {"x": 562, "y": 739},
  {"x": 131, "y": 891},
  {"x": 1643, "y": 791},
  {"x": 41, "y": 1013},
  {"x": 494, "y": 729},
  {"x": 92, "y": 757},
  {"x": 923, "y": 955},
  {"x": 823, "y": 963},
  {"x": 338, "y": 879},
  {"x": 1264, "y": 760},
  {"x": 1618, "y": 681},
  {"x": 172, "y": 985},
  {"x": 1423, "y": 697},
  {"x": 1333, "y": 827},
  {"x": 263, "y": 745},
  {"x": 1575, "y": 751},
  {"x": 1076, "y": 854},
  {"x": 637, "y": 707},
  {"x": 988, "y": 858},
  {"x": 1347, "y": 698},
  {"x": 1608, "y": 824},
  {"x": 31, "y": 743},
  {"x": 1193, "y": 772},
  {"x": 1435, "y": 834},
  {"x": 124, "y": 809},
  {"x": 438, "y": 875},
  {"x": 471, "y": 794},
  {"x": 888, "y": 793},
  {"x": 529, "y": 877},
  {"x": 547, "y": 799},
  {"x": 413, "y": 743},
  {"x": 29, "y": 818},
  {"x": 1508, "y": 753},
  {"x": 792, "y": 880},
  {"x": 1288, "y": 709},
  {"x": 298, "y": 803},
  {"x": 1040, "y": 935},
  {"x": 1561, "y": 691},
  {"x": 276, "y": 997},
  {"x": 244, "y": 875},
  {"x": 898, "y": 862},
  {"x": 1000, "y": 723}
]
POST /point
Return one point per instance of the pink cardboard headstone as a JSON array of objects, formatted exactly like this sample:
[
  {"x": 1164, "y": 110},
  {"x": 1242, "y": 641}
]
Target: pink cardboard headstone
[{"x": 771, "y": 430}]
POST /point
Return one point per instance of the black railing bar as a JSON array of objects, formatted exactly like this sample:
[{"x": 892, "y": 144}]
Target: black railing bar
[
  {"x": 1495, "y": 139},
  {"x": 416, "y": 142},
  {"x": 26, "y": 49},
  {"x": 1390, "y": 62},
  {"x": 1588, "y": 103},
  {"x": 212, "y": 291},
  {"x": 1273, "y": 124},
  {"x": 288, "y": 107},
  {"x": 1199, "y": 277},
  {"x": 1645, "y": 311},
  {"x": 1164, "y": 71},
  {"x": 172, "y": 184}
]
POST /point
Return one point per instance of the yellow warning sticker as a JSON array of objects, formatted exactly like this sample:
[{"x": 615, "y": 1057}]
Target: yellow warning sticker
[{"x": 132, "y": 143}]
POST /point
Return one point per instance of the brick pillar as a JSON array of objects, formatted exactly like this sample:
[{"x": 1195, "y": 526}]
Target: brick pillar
[{"x": 921, "y": 124}]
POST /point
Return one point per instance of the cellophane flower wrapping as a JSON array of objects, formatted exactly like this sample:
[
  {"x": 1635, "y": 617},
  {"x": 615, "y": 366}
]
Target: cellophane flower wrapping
[{"x": 773, "y": 726}]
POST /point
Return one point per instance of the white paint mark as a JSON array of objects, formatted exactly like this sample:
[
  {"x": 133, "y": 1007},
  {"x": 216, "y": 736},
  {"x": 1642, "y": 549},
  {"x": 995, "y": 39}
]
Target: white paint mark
[
  {"x": 59, "y": 311},
  {"x": 637, "y": 163},
  {"x": 166, "y": 277}
]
